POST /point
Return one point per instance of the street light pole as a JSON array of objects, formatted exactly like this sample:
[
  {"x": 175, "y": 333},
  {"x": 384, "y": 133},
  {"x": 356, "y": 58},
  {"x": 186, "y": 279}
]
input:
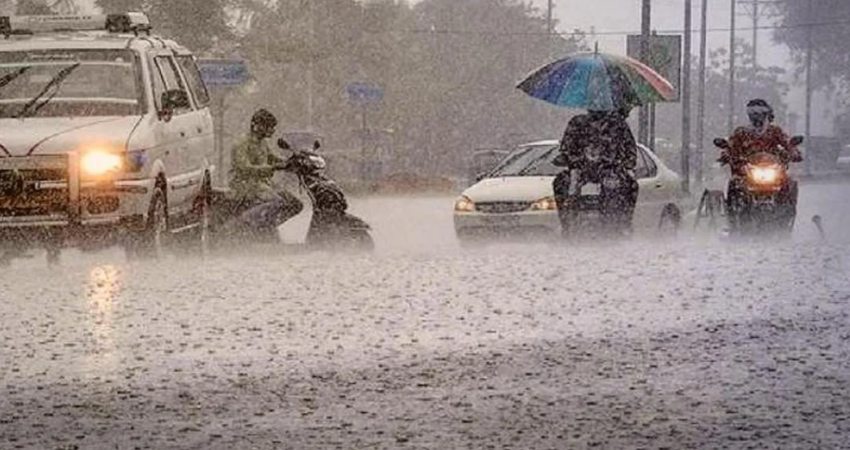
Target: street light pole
[
  {"x": 809, "y": 85},
  {"x": 686, "y": 102},
  {"x": 731, "y": 105},
  {"x": 700, "y": 156},
  {"x": 646, "y": 24}
]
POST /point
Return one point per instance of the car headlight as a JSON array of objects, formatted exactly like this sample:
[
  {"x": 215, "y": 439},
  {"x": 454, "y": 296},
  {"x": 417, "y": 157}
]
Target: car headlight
[
  {"x": 100, "y": 162},
  {"x": 545, "y": 204},
  {"x": 464, "y": 204}
]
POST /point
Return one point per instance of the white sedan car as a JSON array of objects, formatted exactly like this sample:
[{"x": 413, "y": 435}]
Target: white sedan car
[{"x": 517, "y": 195}]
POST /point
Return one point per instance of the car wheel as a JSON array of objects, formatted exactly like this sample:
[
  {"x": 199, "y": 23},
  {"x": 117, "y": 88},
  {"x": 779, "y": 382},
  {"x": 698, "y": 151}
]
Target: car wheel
[{"x": 151, "y": 242}]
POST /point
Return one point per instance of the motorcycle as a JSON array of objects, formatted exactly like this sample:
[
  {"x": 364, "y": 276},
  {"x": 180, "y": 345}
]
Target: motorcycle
[
  {"x": 331, "y": 225},
  {"x": 761, "y": 181},
  {"x": 605, "y": 206}
]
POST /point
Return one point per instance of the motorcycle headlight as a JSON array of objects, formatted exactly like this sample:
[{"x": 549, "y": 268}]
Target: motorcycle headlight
[
  {"x": 764, "y": 175},
  {"x": 464, "y": 204},
  {"x": 95, "y": 163},
  {"x": 545, "y": 204}
]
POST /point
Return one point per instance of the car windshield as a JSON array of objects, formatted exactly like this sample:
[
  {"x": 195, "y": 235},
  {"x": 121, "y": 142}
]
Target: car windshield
[
  {"x": 530, "y": 161},
  {"x": 69, "y": 83}
]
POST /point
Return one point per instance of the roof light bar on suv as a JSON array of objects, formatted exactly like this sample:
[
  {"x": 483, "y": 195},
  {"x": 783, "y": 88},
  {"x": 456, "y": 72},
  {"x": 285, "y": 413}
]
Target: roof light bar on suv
[{"x": 133, "y": 22}]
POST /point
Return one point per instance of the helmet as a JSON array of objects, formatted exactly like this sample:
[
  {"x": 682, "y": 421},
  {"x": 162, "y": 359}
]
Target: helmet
[
  {"x": 263, "y": 118},
  {"x": 759, "y": 111}
]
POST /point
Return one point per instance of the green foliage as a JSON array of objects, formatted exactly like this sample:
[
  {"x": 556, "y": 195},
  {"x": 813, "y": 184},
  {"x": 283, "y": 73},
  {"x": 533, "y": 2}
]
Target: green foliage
[
  {"x": 198, "y": 24},
  {"x": 830, "y": 32},
  {"x": 448, "y": 70}
]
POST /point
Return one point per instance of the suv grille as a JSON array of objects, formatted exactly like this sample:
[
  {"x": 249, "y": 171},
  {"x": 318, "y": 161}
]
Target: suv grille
[
  {"x": 502, "y": 207},
  {"x": 20, "y": 195}
]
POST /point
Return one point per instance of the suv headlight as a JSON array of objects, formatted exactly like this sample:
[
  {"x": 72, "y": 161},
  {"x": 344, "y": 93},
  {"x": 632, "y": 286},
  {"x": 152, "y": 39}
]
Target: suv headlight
[
  {"x": 545, "y": 204},
  {"x": 464, "y": 204},
  {"x": 96, "y": 163}
]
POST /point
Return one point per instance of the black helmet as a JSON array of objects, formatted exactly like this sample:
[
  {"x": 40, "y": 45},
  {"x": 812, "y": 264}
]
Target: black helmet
[
  {"x": 263, "y": 118},
  {"x": 758, "y": 108}
]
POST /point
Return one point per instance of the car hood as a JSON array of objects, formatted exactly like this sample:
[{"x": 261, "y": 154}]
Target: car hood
[
  {"x": 61, "y": 135},
  {"x": 510, "y": 189}
]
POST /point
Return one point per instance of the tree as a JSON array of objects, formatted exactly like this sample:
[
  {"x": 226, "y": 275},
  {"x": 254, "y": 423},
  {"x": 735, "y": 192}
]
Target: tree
[
  {"x": 197, "y": 24},
  {"x": 828, "y": 21}
]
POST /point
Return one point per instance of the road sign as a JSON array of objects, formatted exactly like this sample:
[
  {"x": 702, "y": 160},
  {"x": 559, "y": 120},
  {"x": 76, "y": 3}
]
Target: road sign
[
  {"x": 364, "y": 94},
  {"x": 665, "y": 57},
  {"x": 223, "y": 72}
]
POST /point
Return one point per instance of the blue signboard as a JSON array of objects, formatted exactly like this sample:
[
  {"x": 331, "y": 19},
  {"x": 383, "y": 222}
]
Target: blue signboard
[
  {"x": 223, "y": 72},
  {"x": 363, "y": 94}
]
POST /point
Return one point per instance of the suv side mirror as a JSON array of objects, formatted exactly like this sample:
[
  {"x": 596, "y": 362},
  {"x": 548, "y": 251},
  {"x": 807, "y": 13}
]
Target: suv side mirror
[
  {"x": 721, "y": 143},
  {"x": 797, "y": 140},
  {"x": 172, "y": 100}
]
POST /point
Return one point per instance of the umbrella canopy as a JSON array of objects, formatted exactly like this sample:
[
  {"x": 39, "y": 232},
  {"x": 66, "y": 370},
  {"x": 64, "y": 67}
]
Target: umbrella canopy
[{"x": 597, "y": 81}]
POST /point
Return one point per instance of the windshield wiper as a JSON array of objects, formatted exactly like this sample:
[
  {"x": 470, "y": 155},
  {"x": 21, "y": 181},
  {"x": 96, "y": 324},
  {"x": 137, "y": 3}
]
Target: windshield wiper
[
  {"x": 10, "y": 77},
  {"x": 28, "y": 111},
  {"x": 534, "y": 162}
]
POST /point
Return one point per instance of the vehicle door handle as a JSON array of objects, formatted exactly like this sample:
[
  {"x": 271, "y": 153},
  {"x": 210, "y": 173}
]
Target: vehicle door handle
[
  {"x": 200, "y": 130},
  {"x": 182, "y": 134},
  {"x": 659, "y": 185}
]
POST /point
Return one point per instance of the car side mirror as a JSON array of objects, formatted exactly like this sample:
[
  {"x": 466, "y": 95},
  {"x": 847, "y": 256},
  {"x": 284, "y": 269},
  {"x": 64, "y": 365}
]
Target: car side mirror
[
  {"x": 721, "y": 143},
  {"x": 560, "y": 160},
  {"x": 797, "y": 140},
  {"x": 316, "y": 145},
  {"x": 173, "y": 100},
  {"x": 283, "y": 145},
  {"x": 480, "y": 176}
]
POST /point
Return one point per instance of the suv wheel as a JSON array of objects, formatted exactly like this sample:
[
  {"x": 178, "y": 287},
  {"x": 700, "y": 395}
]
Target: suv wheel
[{"x": 151, "y": 241}]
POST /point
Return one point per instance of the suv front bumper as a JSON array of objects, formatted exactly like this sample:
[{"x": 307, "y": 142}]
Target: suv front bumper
[{"x": 44, "y": 196}]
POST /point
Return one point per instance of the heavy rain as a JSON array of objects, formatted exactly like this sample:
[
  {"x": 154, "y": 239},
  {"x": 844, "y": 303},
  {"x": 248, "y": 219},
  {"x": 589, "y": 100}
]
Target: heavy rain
[{"x": 431, "y": 224}]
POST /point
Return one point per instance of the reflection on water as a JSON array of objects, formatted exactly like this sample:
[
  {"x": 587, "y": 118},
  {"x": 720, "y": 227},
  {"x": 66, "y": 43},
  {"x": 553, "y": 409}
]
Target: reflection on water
[{"x": 102, "y": 290}]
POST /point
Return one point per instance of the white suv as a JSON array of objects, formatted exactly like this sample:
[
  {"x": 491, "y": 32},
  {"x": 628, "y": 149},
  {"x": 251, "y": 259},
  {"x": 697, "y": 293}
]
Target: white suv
[{"x": 105, "y": 134}]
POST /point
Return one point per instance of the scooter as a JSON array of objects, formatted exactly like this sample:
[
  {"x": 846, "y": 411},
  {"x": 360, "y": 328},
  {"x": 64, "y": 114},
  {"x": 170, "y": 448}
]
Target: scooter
[
  {"x": 331, "y": 225},
  {"x": 593, "y": 199},
  {"x": 761, "y": 180}
]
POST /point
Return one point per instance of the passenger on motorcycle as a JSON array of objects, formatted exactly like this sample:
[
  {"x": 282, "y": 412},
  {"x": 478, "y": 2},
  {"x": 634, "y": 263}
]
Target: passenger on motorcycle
[
  {"x": 761, "y": 136},
  {"x": 265, "y": 207},
  {"x": 600, "y": 145}
]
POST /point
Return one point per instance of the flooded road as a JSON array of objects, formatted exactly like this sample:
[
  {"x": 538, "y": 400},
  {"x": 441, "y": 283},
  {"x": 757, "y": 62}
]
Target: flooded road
[{"x": 677, "y": 342}]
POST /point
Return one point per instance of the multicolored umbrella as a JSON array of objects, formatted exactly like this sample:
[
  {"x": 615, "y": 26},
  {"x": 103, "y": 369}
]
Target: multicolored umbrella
[{"x": 597, "y": 81}]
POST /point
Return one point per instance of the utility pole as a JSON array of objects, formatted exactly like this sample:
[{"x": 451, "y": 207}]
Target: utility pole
[
  {"x": 731, "y": 105},
  {"x": 643, "y": 118},
  {"x": 310, "y": 69},
  {"x": 686, "y": 102},
  {"x": 757, "y": 10},
  {"x": 755, "y": 34},
  {"x": 550, "y": 27},
  {"x": 809, "y": 85},
  {"x": 700, "y": 156}
]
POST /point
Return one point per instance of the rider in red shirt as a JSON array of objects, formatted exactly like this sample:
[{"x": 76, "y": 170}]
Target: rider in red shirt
[{"x": 760, "y": 136}]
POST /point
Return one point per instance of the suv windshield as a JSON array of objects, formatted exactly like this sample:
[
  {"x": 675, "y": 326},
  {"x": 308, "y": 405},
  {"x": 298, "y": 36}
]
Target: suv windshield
[
  {"x": 69, "y": 83},
  {"x": 530, "y": 161}
]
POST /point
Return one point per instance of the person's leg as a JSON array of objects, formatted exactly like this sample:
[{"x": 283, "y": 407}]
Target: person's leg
[
  {"x": 788, "y": 201},
  {"x": 734, "y": 203},
  {"x": 286, "y": 206},
  {"x": 561, "y": 188}
]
